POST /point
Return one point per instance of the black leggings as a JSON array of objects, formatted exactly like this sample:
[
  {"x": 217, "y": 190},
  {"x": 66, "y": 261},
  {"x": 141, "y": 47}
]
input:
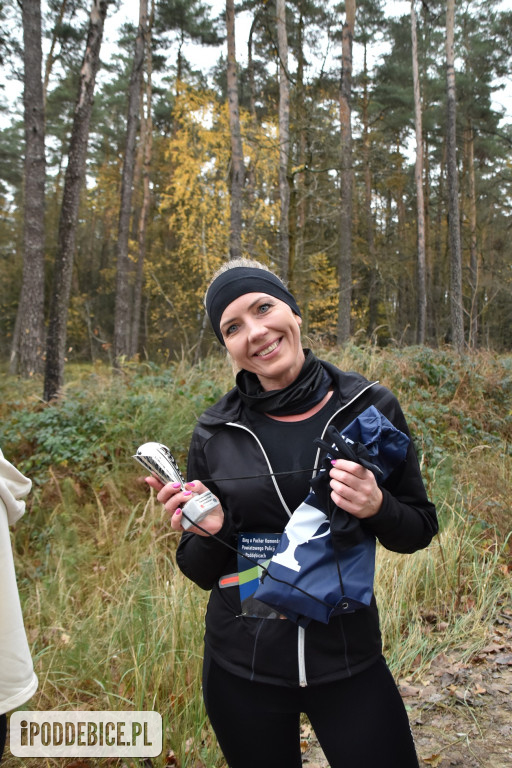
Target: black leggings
[{"x": 360, "y": 722}]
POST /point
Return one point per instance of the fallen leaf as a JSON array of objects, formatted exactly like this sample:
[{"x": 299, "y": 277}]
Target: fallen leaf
[
  {"x": 492, "y": 648},
  {"x": 461, "y": 695},
  {"x": 433, "y": 760},
  {"x": 408, "y": 690}
]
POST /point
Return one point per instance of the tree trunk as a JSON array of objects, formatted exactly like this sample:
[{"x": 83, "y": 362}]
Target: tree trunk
[
  {"x": 298, "y": 216},
  {"x": 50, "y": 59},
  {"x": 345, "y": 236},
  {"x": 284, "y": 140},
  {"x": 28, "y": 339},
  {"x": 457, "y": 316},
  {"x": 473, "y": 252},
  {"x": 123, "y": 303},
  {"x": 370, "y": 236},
  {"x": 75, "y": 173},
  {"x": 251, "y": 170},
  {"x": 418, "y": 174},
  {"x": 237, "y": 159},
  {"x": 147, "y": 146}
]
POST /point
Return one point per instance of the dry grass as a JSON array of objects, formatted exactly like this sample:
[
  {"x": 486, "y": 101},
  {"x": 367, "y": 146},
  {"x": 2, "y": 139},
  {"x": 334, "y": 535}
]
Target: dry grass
[{"x": 114, "y": 625}]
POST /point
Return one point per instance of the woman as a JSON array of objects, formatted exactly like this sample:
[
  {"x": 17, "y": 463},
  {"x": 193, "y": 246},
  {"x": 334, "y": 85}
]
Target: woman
[{"x": 259, "y": 673}]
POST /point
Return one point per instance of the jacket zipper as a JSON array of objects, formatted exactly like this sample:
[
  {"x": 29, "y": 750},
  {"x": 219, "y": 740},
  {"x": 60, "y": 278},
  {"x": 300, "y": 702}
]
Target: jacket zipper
[
  {"x": 301, "y": 631},
  {"x": 301, "y": 654}
]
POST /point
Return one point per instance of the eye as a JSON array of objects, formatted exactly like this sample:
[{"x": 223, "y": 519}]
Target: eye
[
  {"x": 230, "y": 329},
  {"x": 264, "y": 307}
]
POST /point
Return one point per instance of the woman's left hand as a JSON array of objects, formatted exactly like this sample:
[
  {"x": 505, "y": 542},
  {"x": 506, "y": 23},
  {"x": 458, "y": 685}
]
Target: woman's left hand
[{"x": 354, "y": 489}]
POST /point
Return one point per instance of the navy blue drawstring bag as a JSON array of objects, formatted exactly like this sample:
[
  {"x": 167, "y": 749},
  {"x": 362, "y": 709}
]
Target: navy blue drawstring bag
[{"x": 314, "y": 575}]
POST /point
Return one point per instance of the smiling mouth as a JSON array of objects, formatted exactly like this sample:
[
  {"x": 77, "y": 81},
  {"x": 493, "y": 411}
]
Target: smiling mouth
[{"x": 269, "y": 349}]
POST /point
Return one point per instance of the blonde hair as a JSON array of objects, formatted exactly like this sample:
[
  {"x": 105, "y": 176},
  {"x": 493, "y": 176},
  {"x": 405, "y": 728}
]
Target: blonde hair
[{"x": 242, "y": 261}]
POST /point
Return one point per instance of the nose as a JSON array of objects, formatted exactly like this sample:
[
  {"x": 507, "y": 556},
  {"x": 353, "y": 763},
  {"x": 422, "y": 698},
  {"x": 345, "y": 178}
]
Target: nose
[{"x": 256, "y": 329}]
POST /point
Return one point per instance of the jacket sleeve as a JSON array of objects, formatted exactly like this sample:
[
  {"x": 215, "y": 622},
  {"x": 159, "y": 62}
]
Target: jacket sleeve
[
  {"x": 204, "y": 559},
  {"x": 13, "y": 487},
  {"x": 407, "y": 520}
]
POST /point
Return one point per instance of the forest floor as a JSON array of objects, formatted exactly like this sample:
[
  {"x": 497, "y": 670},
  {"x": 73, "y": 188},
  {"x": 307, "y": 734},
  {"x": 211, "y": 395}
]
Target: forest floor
[{"x": 460, "y": 713}]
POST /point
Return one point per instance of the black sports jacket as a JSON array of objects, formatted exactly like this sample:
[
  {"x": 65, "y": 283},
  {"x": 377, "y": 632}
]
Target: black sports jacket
[{"x": 272, "y": 650}]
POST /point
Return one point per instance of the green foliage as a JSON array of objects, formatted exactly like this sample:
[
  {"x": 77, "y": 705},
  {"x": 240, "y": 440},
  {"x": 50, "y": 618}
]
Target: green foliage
[
  {"x": 69, "y": 434},
  {"x": 101, "y": 419}
]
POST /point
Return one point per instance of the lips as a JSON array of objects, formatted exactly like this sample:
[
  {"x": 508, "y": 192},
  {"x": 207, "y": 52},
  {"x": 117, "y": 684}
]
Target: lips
[{"x": 267, "y": 350}]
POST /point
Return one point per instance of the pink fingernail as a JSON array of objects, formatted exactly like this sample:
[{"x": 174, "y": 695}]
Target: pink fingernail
[
  {"x": 176, "y": 485},
  {"x": 333, "y": 461},
  {"x": 187, "y": 493},
  {"x": 192, "y": 484},
  {"x": 178, "y": 512}
]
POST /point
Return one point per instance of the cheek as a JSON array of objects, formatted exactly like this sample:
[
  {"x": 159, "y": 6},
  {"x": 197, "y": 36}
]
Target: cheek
[{"x": 234, "y": 347}]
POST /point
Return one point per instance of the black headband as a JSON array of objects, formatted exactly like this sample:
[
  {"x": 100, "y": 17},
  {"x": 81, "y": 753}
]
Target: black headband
[{"x": 235, "y": 282}]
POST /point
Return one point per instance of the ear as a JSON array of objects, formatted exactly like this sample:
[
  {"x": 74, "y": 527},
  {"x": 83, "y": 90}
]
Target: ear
[{"x": 298, "y": 319}]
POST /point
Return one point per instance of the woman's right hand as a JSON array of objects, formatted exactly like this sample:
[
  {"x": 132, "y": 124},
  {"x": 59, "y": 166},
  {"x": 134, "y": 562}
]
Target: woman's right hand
[{"x": 173, "y": 499}]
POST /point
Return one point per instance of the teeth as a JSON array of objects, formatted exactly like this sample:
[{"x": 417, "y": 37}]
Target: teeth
[{"x": 268, "y": 350}]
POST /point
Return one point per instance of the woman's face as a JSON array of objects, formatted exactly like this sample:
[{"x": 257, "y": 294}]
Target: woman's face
[{"x": 262, "y": 335}]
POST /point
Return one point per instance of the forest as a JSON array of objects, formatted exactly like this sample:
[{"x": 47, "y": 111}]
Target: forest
[{"x": 363, "y": 151}]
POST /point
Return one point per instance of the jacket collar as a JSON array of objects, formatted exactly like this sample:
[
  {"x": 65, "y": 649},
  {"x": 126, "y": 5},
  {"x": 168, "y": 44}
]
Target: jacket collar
[{"x": 230, "y": 406}]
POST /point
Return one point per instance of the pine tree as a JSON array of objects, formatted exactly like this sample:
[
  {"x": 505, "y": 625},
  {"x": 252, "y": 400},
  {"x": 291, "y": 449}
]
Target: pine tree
[
  {"x": 418, "y": 174},
  {"x": 30, "y": 324},
  {"x": 122, "y": 321},
  {"x": 237, "y": 158},
  {"x": 346, "y": 173},
  {"x": 75, "y": 172},
  {"x": 457, "y": 318}
]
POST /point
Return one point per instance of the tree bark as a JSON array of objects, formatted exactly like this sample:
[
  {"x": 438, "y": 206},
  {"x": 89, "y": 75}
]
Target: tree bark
[
  {"x": 418, "y": 175},
  {"x": 298, "y": 210},
  {"x": 345, "y": 236},
  {"x": 75, "y": 173},
  {"x": 473, "y": 251},
  {"x": 147, "y": 146},
  {"x": 122, "y": 324},
  {"x": 457, "y": 316},
  {"x": 284, "y": 140},
  {"x": 237, "y": 159},
  {"x": 370, "y": 235},
  {"x": 50, "y": 59},
  {"x": 28, "y": 340}
]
